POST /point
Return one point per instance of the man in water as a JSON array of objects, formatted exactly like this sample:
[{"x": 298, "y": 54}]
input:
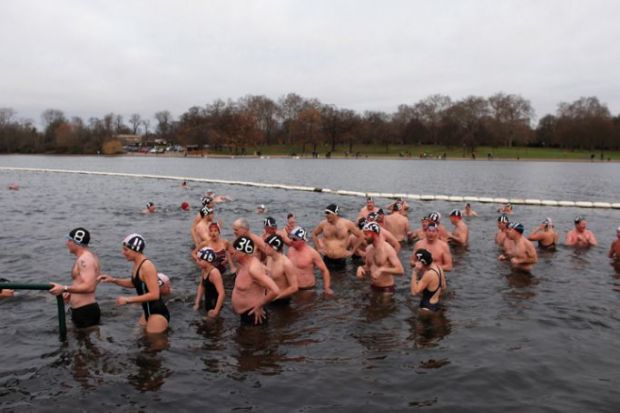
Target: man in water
[
  {"x": 501, "y": 239},
  {"x": 306, "y": 259},
  {"x": 460, "y": 235},
  {"x": 398, "y": 224},
  {"x": 545, "y": 234},
  {"x": 614, "y": 250},
  {"x": 241, "y": 228},
  {"x": 333, "y": 245},
  {"x": 367, "y": 209},
  {"x": 468, "y": 211},
  {"x": 381, "y": 261},
  {"x": 435, "y": 217},
  {"x": 379, "y": 218},
  {"x": 437, "y": 247},
  {"x": 150, "y": 208},
  {"x": 200, "y": 231},
  {"x": 81, "y": 293},
  {"x": 580, "y": 236},
  {"x": 523, "y": 255},
  {"x": 253, "y": 287},
  {"x": 281, "y": 269}
]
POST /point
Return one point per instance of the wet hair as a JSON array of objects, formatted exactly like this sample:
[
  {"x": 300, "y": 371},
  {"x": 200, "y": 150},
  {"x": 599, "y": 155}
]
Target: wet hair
[{"x": 242, "y": 222}]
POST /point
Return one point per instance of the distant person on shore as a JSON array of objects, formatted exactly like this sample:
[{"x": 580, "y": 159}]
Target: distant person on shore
[
  {"x": 150, "y": 208},
  {"x": 580, "y": 236},
  {"x": 334, "y": 232},
  {"x": 253, "y": 287},
  {"x": 436, "y": 246},
  {"x": 614, "y": 250},
  {"x": 80, "y": 294},
  {"x": 523, "y": 255},
  {"x": 429, "y": 280},
  {"x": 469, "y": 211},
  {"x": 210, "y": 286},
  {"x": 306, "y": 259},
  {"x": 368, "y": 208},
  {"x": 381, "y": 262},
  {"x": 281, "y": 269},
  {"x": 398, "y": 224},
  {"x": 460, "y": 235},
  {"x": 144, "y": 279},
  {"x": 546, "y": 235}
]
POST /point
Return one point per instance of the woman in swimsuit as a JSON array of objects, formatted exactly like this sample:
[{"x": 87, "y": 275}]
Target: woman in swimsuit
[
  {"x": 221, "y": 248},
  {"x": 210, "y": 285},
  {"x": 546, "y": 235},
  {"x": 432, "y": 282},
  {"x": 144, "y": 280}
]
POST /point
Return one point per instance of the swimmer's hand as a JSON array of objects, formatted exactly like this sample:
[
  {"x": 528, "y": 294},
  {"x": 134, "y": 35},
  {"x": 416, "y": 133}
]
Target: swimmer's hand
[
  {"x": 7, "y": 293},
  {"x": 328, "y": 291},
  {"x": 104, "y": 278},
  {"x": 212, "y": 314},
  {"x": 66, "y": 297},
  {"x": 361, "y": 272},
  {"x": 196, "y": 306},
  {"x": 502, "y": 257},
  {"x": 259, "y": 314},
  {"x": 121, "y": 300},
  {"x": 57, "y": 289}
]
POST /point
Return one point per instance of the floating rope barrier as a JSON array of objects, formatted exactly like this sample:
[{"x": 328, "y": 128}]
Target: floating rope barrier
[
  {"x": 415, "y": 197},
  {"x": 62, "y": 326}
]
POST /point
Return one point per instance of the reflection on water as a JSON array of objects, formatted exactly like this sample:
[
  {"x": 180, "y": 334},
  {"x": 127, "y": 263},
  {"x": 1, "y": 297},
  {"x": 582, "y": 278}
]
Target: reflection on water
[
  {"x": 428, "y": 328},
  {"x": 150, "y": 374}
]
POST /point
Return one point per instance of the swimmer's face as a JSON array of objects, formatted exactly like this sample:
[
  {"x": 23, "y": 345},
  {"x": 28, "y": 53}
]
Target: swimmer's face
[
  {"x": 454, "y": 220},
  {"x": 431, "y": 234},
  {"x": 292, "y": 221},
  {"x": 127, "y": 253},
  {"x": 331, "y": 218},
  {"x": 238, "y": 230},
  {"x": 370, "y": 204},
  {"x": 581, "y": 225},
  {"x": 501, "y": 225},
  {"x": 297, "y": 243},
  {"x": 270, "y": 230},
  {"x": 369, "y": 236},
  {"x": 214, "y": 233},
  {"x": 380, "y": 218}
]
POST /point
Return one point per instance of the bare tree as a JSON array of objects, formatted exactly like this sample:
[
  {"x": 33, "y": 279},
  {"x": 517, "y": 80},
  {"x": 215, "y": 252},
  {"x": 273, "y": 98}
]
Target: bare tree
[
  {"x": 512, "y": 116},
  {"x": 135, "y": 121}
]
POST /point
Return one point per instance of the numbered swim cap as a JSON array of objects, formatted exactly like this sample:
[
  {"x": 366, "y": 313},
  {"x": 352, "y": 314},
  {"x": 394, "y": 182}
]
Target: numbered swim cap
[
  {"x": 332, "y": 209},
  {"x": 270, "y": 222},
  {"x": 205, "y": 210},
  {"x": 372, "y": 216},
  {"x": 134, "y": 242},
  {"x": 424, "y": 256},
  {"x": 434, "y": 216},
  {"x": 456, "y": 213},
  {"x": 503, "y": 218},
  {"x": 206, "y": 200},
  {"x": 372, "y": 227},
  {"x": 80, "y": 236},
  {"x": 276, "y": 242},
  {"x": 244, "y": 244},
  {"x": 207, "y": 254},
  {"x": 298, "y": 234}
]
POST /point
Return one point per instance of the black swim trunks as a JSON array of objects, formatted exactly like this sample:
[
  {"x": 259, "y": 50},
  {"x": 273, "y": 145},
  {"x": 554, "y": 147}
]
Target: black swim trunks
[
  {"x": 335, "y": 264},
  {"x": 389, "y": 289},
  {"x": 247, "y": 319},
  {"x": 281, "y": 302},
  {"x": 86, "y": 316}
]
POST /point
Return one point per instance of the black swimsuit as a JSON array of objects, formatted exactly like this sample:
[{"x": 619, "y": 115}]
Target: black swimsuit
[
  {"x": 211, "y": 294},
  {"x": 427, "y": 294},
  {"x": 149, "y": 307}
]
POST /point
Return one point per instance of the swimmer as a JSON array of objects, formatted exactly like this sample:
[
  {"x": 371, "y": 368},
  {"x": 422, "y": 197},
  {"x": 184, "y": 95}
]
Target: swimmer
[
  {"x": 523, "y": 254},
  {"x": 378, "y": 217},
  {"x": 381, "y": 262},
  {"x": 335, "y": 232},
  {"x": 368, "y": 208},
  {"x": 436, "y": 246},
  {"x": 431, "y": 283},
  {"x": 501, "y": 239},
  {"x": 468, "y": 211},
  {"x": 281, "y": 269},
  {"x": 360, "y": 251},
  {"x": 420, "y": 233},
  {"x": 165, "y": 287},
  {"x": 306, "y": 259},
  {"x": 253, "y": 287},
  {"x": 398, "y": 224},
  {"x": 210, "y": 286},
  {"x": 270, "y": 227},
  {"x": 460, "y": 235},
  {"x": 291, "y": 223},
  {"x": 403, "y": 207},
  {"x": 545, "y": 234},
  {"x": 218, "y": 199},
  {"x": 185, "y": 206},
  {"x": 80, "y": 294},
  {"x": 200, "y": 229},
  {"x": 506, "y": 209},
  {"x": 241, "y": 228},
  {"x": 441, "y": 229},
  {"x": 4, "y": 293},
  {"x": 614, "y": 250},
  {"x": 220, "y": 246},
  {"x": 143, "y": 278},
  {"x": 150, "y": 208},
  {"x": 580, "y": 236},
  {"x": 184, "y": 185},
  {"x": 261, "y": 209},
  {"x": 14, "y": 187}
]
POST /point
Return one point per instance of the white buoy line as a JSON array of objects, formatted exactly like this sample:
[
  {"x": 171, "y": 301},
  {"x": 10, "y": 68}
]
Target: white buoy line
[{"x": 415, "y": 197}]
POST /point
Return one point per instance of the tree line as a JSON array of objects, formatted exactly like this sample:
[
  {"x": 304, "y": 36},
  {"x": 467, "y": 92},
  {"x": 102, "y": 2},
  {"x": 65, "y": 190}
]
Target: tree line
[{"x": 501, "y": 120}]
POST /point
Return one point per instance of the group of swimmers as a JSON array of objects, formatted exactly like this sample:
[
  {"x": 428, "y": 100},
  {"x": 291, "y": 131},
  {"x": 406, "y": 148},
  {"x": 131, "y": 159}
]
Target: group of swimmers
[{"x": 265, "y": 275}]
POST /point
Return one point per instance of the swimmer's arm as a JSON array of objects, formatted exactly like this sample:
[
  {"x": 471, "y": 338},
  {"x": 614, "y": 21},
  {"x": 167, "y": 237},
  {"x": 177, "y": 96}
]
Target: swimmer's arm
[
  {"x": 391, "y": 239},
  {"x": 265, "y": 281},
  {"x": 200, "y": 290},
  {"x": 416, "y": 286},
  {"x": 571, "y": 239},
  {"x": 216, "y": 279},
  {"x": 612, "y": 253},
  {"x": 123, "y": 282},
  {"x": 318, "y": 262},
  {"x": 447, "y": 258},
  {"x": 315, "y": 235},
  {"x": 86, "y": 283},
  {"x": 291, "y": 277},
  {"x": 149, "y": 276},
  {"x": 229, "y": 260},
  {"x": 396, "y": 267},
  {"x": 592, "y": 239},
  {"x": 535, "y": 236}
]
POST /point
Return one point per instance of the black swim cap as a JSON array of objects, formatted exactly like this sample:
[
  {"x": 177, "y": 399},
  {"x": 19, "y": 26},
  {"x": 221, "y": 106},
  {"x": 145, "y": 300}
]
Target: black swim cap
[
  {"x": 424, "y": 256},
  {"x": 205, "y": 210},
  {"x": 371, "y": 217},
  {"x": 503, "y": 218},
  {"x": 380, "y": 211},
  {"x": 80, "y": 236},
  {"x": 275, "y": 241},
  {"x": 244, "y": 244},
  {"x": 149, "y": 204},
  {"x": 398, "y": 205},
  {"x": 207, "y": 254},
  {"x": 434, "y": 216},
  {"x": 372, "y": 227},
  {"x": 517, "y": 227},
  {"x": 134, "y": 242},
  {"x": 205, "y": 200},
  {"x": 332, "y": 209},
  {"x": 456, "y": 213},
  {"x": 270, "y": 222},
  {"x": 579, "y": 219},
  {"x": 361, "y": 222}
]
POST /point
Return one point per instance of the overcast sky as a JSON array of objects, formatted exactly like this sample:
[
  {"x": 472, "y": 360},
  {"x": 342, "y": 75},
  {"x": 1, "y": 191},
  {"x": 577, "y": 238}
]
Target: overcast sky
[{"x": 89, "y": 57}]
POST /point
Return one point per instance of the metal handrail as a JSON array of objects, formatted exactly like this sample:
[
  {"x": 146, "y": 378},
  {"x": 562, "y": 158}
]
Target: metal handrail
[{"x": 62, "y": 325}]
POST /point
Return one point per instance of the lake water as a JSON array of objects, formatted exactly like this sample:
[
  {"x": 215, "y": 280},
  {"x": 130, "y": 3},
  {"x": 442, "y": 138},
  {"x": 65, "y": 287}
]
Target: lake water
[{"x": 507, "y": 341}]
